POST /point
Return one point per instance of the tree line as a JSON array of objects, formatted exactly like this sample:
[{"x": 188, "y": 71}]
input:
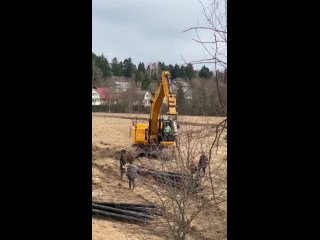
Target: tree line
[
  {"x": 102, "y": 69},
  {"x": 202, "y": 87}
]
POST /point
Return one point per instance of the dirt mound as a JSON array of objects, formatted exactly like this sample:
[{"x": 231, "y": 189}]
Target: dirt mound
[
  {"x": 105, "y": 152},
  {"x": 95, "y": 148}
]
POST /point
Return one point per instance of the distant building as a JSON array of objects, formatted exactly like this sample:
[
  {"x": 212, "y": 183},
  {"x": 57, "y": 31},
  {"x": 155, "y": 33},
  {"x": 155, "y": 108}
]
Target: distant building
[
  {"x": 95, "y": 98},
  {"x": 141, "y": 98},
  {"x": 104, "y": 94},
  {"x": 122, "y": 86},
  {"x": 146, "y": 99}
]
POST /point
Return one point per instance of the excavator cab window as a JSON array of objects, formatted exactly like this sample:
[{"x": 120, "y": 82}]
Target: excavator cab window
[
  {"x": 167, "y": 132},
  {"x": 167, "y": 129}
]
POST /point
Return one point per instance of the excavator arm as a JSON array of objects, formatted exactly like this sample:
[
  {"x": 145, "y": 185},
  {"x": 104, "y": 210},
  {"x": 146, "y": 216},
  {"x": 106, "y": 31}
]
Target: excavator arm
[{"x": 163, "y": 91}]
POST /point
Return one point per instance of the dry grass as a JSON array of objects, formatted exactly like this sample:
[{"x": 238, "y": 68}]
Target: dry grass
[{"x": 110, "y": 133}]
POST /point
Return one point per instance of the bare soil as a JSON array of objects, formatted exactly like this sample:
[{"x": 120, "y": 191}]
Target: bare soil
[{"x": 110, "y": 134}]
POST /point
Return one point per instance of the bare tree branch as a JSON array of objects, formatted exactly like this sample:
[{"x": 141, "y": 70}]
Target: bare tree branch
[
  {"x": 207, "y": 28},
  {"x": 198, "y": 41}
]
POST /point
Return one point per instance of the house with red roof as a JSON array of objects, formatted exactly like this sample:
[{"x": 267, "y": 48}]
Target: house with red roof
[{"x": 105, "y": 95}]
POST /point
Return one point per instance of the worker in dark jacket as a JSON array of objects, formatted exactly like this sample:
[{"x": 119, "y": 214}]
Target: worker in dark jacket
[
  {"x": 123, "y": 162},
  {"x": 203, "y": 163},
  {"x": 132, "y": 172}
]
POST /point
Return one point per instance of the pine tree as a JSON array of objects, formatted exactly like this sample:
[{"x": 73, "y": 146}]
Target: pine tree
[
  {"x": 103, "y": 64},
  {"x": 115, "y": 67},
  {"x": 141, "y": 67},
  {"x": 127, "y": 67},
  {"x": 190, "y": 73},
  {"x": 204, "y": 72},
  {"x": 175, "y": 71},
  {"x": 145, "y": 83}
]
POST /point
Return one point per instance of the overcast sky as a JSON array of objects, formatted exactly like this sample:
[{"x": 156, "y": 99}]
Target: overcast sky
[{"x": 147, "y": 30}]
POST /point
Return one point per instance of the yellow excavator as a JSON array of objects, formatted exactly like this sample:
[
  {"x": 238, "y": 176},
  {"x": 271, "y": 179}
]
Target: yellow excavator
[{"x": 159, "y": 132}]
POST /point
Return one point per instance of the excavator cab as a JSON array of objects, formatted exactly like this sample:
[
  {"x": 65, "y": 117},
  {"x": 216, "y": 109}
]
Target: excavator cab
[{"x": 166, "y": 131}]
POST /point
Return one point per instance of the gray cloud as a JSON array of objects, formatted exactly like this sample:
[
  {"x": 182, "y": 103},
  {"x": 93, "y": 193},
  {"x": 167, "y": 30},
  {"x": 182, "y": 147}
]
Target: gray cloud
[{"x": 147, "y": 30}]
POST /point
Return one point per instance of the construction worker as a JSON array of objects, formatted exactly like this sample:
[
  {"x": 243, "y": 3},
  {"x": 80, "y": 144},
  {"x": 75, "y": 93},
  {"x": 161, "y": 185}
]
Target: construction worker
[
  {"x": 167, "y": 131},
  {"x": 203, "y": 163},
  {"x": 132, "y": 171},
  {"x": 123, "y": 162}
]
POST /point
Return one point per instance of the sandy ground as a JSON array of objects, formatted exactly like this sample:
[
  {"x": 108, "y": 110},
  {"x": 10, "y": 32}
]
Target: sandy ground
[{"x": 110, "y": 134}]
